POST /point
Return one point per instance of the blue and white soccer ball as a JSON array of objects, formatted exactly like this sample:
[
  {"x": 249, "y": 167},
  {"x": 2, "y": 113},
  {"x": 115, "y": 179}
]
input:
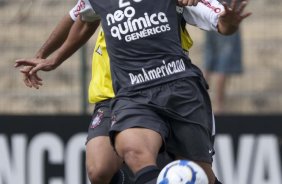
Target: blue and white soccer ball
[{"x": 182, "y": 172}]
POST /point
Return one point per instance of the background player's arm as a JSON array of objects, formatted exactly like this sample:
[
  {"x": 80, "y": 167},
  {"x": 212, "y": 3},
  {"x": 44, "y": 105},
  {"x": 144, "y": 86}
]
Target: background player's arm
[
  {"x": 79, "y": 34},
  {"x": 53, "y": 42},
  {"x": 61, "y": 31},
  {"x": 57, "y": 38}
]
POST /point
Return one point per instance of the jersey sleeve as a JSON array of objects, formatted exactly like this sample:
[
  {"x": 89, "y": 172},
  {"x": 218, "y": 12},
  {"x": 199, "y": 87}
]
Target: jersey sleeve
[
  {"x": 205, "y": 15},
  {"x": 84, "y": 9}
]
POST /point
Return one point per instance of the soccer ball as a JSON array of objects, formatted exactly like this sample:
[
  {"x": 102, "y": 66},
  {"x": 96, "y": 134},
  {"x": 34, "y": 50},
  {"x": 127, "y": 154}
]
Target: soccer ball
[{"x": 182, "y": 172}]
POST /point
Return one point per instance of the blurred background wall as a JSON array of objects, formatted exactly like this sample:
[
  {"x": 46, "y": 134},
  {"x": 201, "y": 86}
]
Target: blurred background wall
[{"x": 26, "y": 24}]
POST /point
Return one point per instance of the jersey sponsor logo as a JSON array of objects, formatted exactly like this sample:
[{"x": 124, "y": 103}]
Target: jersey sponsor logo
[
  {"x": 166, "y": 69},
  {"x": 98, "y": 118},
  {"x": 80, "y": 6},
  {"x": 209, "y": 5},
  {"x": 125, "y": 25}
]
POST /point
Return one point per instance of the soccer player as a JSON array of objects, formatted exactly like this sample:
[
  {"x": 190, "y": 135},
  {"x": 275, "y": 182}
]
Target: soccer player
[
  {"x": 100, "y": 91},
  {"x": 161, "y": 65}
]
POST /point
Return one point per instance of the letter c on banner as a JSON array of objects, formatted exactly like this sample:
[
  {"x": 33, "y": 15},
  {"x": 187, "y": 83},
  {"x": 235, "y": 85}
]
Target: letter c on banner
[{"x": 41, "y": 143}]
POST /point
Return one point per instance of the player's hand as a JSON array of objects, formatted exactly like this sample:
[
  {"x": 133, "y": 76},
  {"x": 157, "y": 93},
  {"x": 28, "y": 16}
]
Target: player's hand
[
  {"x": 234, "y": 13},
  {"x": 188, "y": 2},
  {"x": 31, "y": 80},
  {"x": 37, "y": 64}
]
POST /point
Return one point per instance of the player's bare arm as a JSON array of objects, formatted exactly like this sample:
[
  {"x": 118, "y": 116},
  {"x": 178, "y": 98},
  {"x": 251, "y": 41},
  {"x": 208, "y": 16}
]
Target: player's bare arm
[
  {"x": 53, "y": 42},
  {"x": 231, "y": 18},
  {"x": 79, "y": 35},
  {"x": 56, "y": 38}
]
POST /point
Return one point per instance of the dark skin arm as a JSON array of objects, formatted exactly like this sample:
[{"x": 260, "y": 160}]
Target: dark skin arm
[
  {"x": 56, "y": 38},
  {"x": 54, "y": 41},
  {"x": 79, "y": 34}
]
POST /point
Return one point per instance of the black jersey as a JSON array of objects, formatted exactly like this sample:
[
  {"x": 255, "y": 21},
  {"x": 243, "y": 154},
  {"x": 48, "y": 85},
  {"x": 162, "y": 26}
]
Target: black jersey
[{"x": 143, "y": 42}]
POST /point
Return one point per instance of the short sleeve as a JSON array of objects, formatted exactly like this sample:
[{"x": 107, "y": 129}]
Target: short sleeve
[
  {"x": 83, "y": 9},
  {"x": 205, "y": 15}
]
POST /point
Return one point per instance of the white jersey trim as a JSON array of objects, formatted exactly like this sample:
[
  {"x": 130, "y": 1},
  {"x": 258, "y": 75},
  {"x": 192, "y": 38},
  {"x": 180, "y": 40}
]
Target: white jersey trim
[
  {"x": 83, "y": 9},
  {"x": 205, "y": 15}
]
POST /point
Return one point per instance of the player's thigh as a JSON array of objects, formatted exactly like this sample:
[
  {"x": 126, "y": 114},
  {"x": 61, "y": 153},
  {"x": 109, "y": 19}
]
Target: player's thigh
[
  {"x": 100, "y": 155},
  {"x": 99, "y": 151},
  {"x": 135, "y": 126},
  {"x": 139, "y": 140}
]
